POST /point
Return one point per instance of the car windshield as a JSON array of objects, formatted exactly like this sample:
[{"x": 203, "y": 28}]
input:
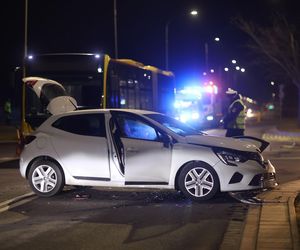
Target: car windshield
[{"x": 176, "y": 126}]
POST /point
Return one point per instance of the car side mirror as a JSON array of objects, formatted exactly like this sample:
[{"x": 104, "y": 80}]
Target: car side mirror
[{"x": 167, "y": 141}]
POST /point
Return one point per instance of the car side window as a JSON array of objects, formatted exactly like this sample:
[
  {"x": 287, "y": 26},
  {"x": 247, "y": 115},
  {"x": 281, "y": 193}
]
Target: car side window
[
  {"x": 86, "y": 124},
  {"x": 132, "y": 127}
]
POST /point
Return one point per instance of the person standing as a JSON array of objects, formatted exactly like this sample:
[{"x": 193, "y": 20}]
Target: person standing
[
  {"x": 7, "y": 111},
  {"x": 234, "y": 120}
]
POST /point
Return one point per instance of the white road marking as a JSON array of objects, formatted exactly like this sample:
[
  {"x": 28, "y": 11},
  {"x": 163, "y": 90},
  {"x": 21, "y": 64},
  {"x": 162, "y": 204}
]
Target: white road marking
[
  {"x": 4, "y": 159},
  {"x": 17, "y": 201}
]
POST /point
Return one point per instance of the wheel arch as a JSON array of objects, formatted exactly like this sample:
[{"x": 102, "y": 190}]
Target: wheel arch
[
  {"x": 47, "y": 158},
  {"x": 203, "y": 163}
]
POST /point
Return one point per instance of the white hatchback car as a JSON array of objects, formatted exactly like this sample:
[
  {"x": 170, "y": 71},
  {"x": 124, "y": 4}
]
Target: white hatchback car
[{"x": 135, "y": 148}]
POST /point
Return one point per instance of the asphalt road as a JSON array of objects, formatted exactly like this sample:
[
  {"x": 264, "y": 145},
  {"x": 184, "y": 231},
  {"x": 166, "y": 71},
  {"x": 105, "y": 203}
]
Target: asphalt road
[
  {"x": 115, "y": 219},
  {"x": 102, "y": 218}
]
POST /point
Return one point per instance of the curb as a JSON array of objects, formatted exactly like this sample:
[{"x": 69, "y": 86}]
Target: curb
[{"x": 293, "y": 222}]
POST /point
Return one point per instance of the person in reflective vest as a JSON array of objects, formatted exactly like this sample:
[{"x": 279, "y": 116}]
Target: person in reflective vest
[{"x": 234, "y": 120}]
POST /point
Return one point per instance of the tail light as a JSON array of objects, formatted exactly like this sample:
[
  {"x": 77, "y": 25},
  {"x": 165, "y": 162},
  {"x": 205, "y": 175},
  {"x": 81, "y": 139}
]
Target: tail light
[{"x": 31, "y": 83}]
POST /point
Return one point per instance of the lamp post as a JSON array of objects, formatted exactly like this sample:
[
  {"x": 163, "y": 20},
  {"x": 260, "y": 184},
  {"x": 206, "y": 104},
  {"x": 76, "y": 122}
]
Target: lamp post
[
  {"x": 193, "y": 13},
  {"x": 25, "y": 36},
  {"x": 115, "y": 29},
  {"x": 216, "y": 39}
]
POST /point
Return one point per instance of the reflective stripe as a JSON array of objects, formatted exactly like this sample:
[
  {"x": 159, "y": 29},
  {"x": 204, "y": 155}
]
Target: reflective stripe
[{"x": 239, "y": 122}]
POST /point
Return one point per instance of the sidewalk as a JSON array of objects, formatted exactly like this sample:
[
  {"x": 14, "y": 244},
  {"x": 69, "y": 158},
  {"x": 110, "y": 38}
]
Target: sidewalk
[{"x": 273, "y": 223}]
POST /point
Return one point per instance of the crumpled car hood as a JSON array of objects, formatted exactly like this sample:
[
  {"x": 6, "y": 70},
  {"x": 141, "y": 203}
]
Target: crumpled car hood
[{"x": 222, "y": 142}]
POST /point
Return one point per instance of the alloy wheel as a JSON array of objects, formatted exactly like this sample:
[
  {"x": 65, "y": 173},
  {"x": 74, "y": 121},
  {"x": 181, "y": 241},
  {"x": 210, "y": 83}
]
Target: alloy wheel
[
  {"x": 199, "y": 182},
  {"x": 44, "y": 178}
]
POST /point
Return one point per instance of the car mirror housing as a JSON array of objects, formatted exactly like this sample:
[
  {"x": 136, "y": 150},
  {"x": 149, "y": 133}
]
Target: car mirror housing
[{"x": 167, "y": 140}]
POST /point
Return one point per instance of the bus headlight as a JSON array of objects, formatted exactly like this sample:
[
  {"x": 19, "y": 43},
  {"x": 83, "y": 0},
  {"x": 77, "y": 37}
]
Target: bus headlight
[{"x": 210, "y": 117}]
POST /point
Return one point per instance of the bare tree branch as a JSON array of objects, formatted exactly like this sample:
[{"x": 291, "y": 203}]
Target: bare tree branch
[{"x": 277, "y": 42}]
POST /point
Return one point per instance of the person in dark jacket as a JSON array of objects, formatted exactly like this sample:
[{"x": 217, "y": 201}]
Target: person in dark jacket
[{"x": 234, "y": 120}]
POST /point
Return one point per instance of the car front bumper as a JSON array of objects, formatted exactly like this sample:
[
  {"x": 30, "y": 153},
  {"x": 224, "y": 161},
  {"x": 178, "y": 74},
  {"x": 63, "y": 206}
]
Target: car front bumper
[
  {"x": 269, "y": 179},
  {"x": 247, "y": 176},
  {"x": 265, "y": 180}
]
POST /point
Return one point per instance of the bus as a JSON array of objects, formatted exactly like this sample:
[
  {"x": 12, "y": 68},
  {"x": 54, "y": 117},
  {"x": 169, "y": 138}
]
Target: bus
[{"x": 97, "y": 81}]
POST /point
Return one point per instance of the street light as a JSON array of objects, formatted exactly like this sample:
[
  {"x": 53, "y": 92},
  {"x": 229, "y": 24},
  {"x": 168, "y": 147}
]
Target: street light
[{"x": 193, "y": 13}]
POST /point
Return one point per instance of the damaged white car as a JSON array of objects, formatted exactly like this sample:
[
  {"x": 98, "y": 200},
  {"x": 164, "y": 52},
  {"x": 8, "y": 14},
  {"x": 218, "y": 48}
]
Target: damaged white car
[
  {"x": 139, "y": 149},
  {"x": 136, "y": 148}
]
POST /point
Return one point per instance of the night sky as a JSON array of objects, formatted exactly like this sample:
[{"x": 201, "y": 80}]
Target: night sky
[{"x": 87, "y": 26}]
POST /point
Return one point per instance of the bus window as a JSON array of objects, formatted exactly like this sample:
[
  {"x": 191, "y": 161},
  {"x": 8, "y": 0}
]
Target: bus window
[{"x": 129, "y": 87}]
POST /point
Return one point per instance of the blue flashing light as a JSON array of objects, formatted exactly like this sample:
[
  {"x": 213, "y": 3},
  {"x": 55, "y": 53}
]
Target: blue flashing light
[
  {"x": 30, "y": 57},
  {"x": 97, "y": 56},
  {"x": 184, "y": 117},
  {"x": 192, "y": 92},
  {"x": 209, "y": 89},
  {"x": 183, "y": 104},
  {"x": 195, "y": 116}
]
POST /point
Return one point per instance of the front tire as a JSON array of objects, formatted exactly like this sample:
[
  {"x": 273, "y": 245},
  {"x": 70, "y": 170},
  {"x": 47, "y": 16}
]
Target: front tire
[
  {"x": 198, "y": 181},
  {"x": 46, "y": 178}
]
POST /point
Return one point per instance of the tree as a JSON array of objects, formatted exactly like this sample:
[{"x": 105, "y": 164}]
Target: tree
[{"x": 278, "y": 43}]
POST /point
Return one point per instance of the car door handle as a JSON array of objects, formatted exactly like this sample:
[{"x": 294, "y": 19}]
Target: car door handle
[{"x": 132, "y": 150}]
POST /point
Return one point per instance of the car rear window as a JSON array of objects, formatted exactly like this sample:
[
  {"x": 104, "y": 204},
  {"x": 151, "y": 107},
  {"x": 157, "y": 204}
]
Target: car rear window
[{"x": 87, "y": 124}]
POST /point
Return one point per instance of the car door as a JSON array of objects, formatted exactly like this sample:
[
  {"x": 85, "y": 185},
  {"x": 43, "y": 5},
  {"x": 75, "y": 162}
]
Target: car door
[
  {"x": 81, "y": 143},
  {"x": 147, "y": 158}
]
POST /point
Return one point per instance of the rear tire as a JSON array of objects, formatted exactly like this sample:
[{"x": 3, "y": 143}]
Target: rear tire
[
  {"x": 198, "y": 181},
  {"x": 46, "y": 178}
]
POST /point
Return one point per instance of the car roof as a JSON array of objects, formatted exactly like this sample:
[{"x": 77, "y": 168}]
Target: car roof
[
  {"x": 88, "y": 111},
  {"x": 93, "y": 111}
]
